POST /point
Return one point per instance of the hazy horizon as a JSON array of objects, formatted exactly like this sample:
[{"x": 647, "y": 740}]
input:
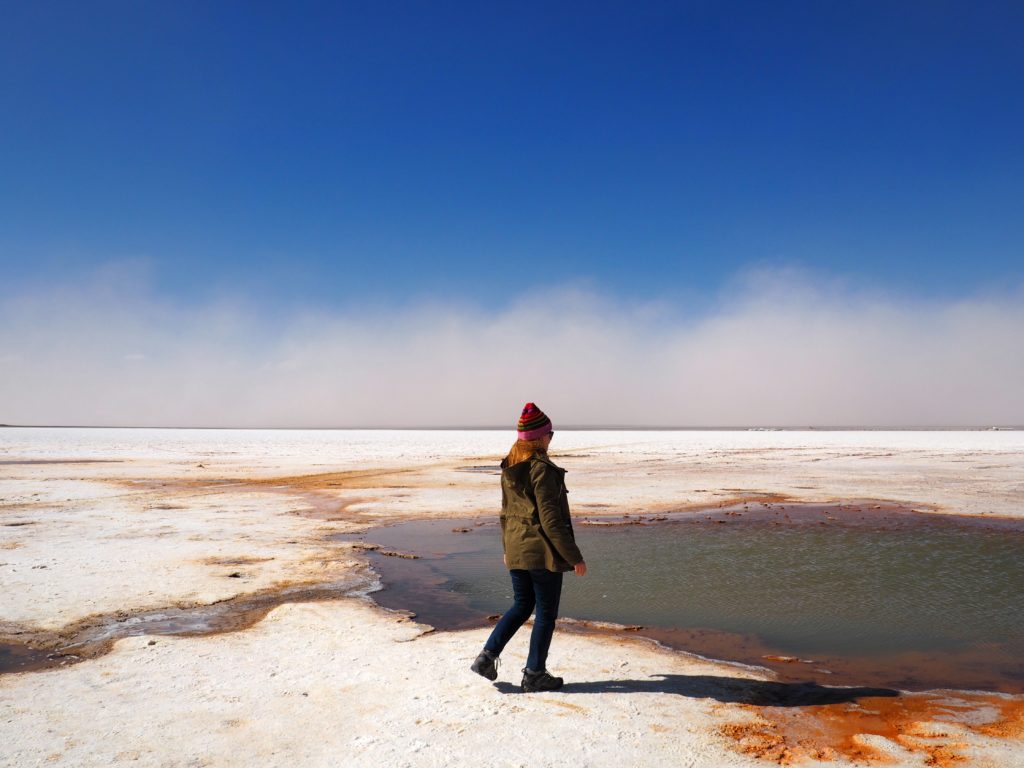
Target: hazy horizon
[
  {"x": 778, "y": 347},
  {"x": 566, "y": 428}
]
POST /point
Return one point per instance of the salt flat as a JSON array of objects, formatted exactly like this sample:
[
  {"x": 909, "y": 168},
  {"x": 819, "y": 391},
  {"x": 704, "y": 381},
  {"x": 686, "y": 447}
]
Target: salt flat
[{"x": 100, "y": 525}]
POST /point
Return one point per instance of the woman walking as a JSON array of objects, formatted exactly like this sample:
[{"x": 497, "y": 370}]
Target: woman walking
[{"x": 539, "y": 545}]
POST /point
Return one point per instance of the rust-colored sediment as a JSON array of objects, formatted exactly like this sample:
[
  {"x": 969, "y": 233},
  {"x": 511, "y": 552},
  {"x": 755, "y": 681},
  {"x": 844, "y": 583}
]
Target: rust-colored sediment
[
  {"x": 319, "y": 490},
  {"x": 357, "y": 479},
  {"x": 361, "y": 479},
  {"x": 934, "y": 725}
]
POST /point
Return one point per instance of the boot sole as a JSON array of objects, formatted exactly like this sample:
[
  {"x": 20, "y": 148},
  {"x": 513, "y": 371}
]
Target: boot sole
[{"x": 492, "y": 677}]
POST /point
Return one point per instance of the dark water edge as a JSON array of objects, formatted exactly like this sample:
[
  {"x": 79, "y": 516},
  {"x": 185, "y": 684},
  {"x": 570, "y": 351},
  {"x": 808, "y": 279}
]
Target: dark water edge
[
  {"x": 95, "y": 636},
  {"x": 23, "y": 658},
  {"x": 454, "y": 556}
]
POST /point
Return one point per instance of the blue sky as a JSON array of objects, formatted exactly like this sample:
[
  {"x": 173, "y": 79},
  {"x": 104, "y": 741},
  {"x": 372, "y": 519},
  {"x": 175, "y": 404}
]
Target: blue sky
[
  {"x": 334, "y": 154},
  {"x": 331, "y": 214}
]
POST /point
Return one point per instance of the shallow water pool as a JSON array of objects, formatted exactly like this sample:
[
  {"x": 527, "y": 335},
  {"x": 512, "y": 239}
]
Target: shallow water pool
[{"x": 831, "y": 593}]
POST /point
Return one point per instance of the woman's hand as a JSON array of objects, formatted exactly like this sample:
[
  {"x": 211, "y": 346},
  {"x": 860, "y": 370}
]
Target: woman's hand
[
  {"x": 580, "y": 568},
  {"x": 504, "y": 559}
]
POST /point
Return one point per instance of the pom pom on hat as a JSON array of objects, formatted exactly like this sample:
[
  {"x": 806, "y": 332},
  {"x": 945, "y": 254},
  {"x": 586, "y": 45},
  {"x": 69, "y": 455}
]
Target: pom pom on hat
[{"x": 533, "y": 424}]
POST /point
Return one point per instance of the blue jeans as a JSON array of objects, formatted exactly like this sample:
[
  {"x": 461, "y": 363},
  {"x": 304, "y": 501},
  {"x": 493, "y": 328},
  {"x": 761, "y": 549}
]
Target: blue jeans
[{"x": 536, "y": 587}]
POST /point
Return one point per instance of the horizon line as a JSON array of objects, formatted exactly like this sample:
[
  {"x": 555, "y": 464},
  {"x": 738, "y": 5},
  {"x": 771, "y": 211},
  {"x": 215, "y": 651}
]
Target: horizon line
[{"x": 568, "y": 428}]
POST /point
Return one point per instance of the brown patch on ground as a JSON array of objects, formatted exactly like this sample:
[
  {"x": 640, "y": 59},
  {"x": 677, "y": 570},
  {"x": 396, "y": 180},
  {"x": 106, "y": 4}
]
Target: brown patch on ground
[
  {"x": 324, "y": 506},
  {"x": 760, "y": 739},
  {"x": 317, "y": 481},
  {"x": 349, "y": 479},
  {"x": 396, "y": 553},
  {"x": 239, "y": 560},
  {"x": 735, "y": 500},
  {"x": 568, "y": 705},
  {"x": 360, "y": 546},
  {"x": 327, "y": 507},
  {"x": 319, "y": 491},
  {"x": 934, "y": 725}
]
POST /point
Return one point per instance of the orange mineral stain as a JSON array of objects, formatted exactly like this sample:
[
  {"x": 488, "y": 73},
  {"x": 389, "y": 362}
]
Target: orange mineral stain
[{"x": 937, "y": 725}]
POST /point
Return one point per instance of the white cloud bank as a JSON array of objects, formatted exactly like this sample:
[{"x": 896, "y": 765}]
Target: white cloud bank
[{"x": 777, "y": 350}]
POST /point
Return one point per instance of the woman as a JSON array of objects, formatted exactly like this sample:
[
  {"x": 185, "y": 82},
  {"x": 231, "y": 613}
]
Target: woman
[{"x": 539, "y": 546}]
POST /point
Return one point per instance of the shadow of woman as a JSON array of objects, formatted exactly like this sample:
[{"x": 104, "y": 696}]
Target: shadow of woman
[{"x": 736, "y": 690}]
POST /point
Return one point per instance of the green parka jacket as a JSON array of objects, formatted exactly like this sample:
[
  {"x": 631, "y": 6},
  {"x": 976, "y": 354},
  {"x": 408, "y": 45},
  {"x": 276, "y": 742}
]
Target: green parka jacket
[{"x": 535, "y": 527}]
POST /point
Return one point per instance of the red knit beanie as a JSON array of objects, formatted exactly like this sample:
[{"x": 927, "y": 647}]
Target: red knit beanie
[{"x": 533, "y": 424}]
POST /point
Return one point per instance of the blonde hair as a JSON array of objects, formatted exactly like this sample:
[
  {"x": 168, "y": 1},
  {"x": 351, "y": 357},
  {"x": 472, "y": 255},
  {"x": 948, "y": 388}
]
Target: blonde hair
[{"x": 523, "y": 449}]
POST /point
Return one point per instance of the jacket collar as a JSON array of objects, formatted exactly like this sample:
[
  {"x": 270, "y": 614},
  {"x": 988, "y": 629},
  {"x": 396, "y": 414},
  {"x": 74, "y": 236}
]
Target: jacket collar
[
  {"x": 546, "y": 459},
  {"x": 524, "y": 465}
]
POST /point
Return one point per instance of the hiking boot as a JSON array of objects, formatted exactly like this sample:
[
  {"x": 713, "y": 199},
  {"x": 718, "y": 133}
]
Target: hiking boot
[
  {"x": 486, "y": 665},
  {"x": 534, "y": 682}
]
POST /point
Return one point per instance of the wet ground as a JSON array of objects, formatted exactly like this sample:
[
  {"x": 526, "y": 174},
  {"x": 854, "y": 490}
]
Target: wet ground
[
  {"x": 852, "y": 594},
  {"x": 95, "y": 636}
]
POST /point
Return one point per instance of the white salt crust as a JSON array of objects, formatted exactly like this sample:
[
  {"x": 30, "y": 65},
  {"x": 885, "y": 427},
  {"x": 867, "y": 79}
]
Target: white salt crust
[{"x": 343, "y": 682}]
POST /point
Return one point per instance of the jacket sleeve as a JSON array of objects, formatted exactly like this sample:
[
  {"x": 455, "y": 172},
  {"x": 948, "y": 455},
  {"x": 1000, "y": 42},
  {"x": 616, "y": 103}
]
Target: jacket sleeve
[{"x": 547, "y": 490}]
